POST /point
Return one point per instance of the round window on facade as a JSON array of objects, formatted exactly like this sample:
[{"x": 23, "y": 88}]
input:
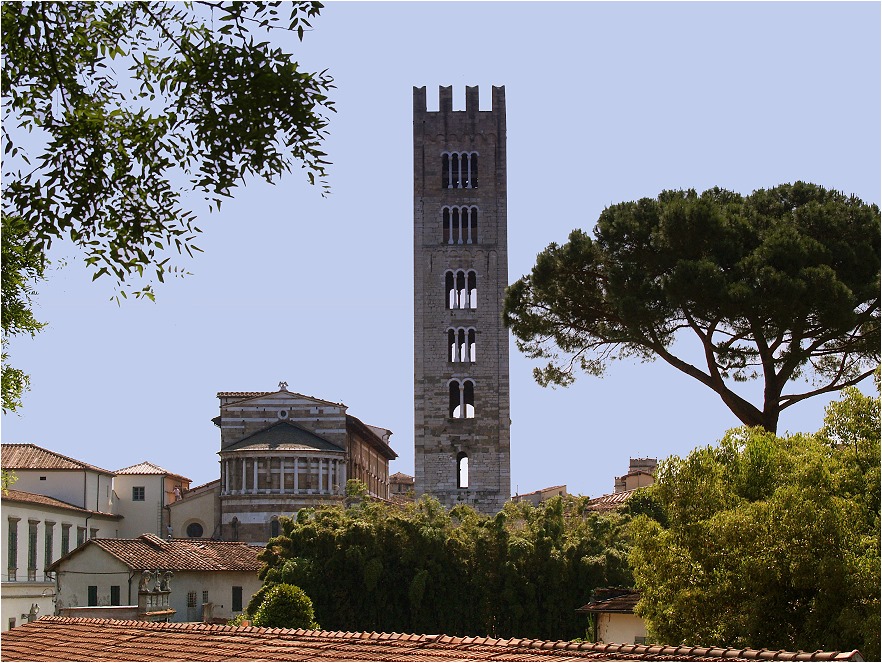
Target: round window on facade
[
  {"x": 194, "y": 530},
  {"x": 283, "y": 414}
]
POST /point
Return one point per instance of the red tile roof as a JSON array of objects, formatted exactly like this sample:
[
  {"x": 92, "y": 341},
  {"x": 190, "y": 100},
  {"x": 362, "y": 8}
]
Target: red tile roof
[
  {"x": 32, "y": 457},
  {"x": 622, "y": 603},
  {"x": 149, "y": 468},
  {"x": 80, "y": 639},
  {"x": 610, "y": 502},
  {"x": 149, "y": 551},
  {"x": 42, "y": 500},
  {"x": 254, "y": 394}
]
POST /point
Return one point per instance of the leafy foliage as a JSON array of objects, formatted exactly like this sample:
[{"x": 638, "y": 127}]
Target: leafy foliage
[
  {"x": 776, "y": 284},
  {"x": 106, "y": 104},
  {"x": 768, "y": 541},
  {"x": 422, "y": 569},
  {"x": 285, "y": 606},
  {"x": 22, "y": 267}
]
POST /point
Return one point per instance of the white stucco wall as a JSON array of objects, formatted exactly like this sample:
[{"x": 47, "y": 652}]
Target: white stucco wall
[
  {"x": 619, "y": 628},
  {"x": 219, "y": 586},
  {"x": 140, "y": 516},
  {"x": 17, "y": 596}
]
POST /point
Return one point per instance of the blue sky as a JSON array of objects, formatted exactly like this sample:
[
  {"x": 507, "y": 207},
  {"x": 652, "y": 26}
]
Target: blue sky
[{"x": 605, "y": 102}]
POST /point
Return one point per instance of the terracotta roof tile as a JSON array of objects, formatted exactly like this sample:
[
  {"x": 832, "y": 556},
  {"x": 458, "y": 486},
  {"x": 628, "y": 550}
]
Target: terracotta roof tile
[
  {"x": 77, "y": 639},
  {"x": 32, "y": 457},
  {"x": 611, "y": 501},
  {"x": 149, "y": 551},
  {"x": 21, "y": 496},
  {"x": 149, "y": 468}
]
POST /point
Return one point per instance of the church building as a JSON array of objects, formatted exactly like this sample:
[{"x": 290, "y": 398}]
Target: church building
[{"x": 281, "y": 452}]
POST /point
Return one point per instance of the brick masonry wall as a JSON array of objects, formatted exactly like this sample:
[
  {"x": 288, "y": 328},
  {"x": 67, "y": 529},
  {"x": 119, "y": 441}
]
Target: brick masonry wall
[{"x": 438, "y": 438}]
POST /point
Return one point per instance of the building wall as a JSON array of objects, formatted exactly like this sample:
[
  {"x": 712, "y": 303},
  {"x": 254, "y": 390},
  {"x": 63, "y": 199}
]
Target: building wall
[
  {"x": 201, "y": 508},
  {"x": 219, "y": 587},
  {"x": 140, "y": 516},
  {"x": 93, "y": 566},
  {"x": 18, "y": 595},
  {"x": 439, "y": 439},
  {"x": 83, "y": 488},
  {"x": 241, "y": 416},
  {"x": 619, "y": 628}
]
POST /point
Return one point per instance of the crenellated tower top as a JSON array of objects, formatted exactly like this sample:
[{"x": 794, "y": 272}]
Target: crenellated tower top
[{"x": 445, "y": 100}]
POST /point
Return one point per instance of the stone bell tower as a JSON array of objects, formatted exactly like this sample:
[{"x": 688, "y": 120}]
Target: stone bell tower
[{"x": 461, "y": 391}]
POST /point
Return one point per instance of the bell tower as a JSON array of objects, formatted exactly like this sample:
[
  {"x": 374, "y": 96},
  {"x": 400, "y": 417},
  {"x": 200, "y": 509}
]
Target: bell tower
[{"x": 461, "y": 390}]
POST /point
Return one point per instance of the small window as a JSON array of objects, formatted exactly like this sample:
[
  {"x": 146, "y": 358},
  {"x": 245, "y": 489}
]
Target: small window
[
  {"x": 462, "y": 470},
  {"x": 93, "y": 595},
  {"x": 237, "y": 599},
  {"x": 93, "y": 532},
  {"x": 205, "y": 596},
  {"x": 274, "y": 527},
  {"x": 114, "y": 595},
  {"x": 191, "y": 599},
  {"x": 65, "y": 539},
  {"x": 194, "y": 530},
  {"x": 81, "y": 535},
  {"x": 137, "y": 493},
  {"x": 12, "y": 622},
  {"x": 42, "y": 478}
]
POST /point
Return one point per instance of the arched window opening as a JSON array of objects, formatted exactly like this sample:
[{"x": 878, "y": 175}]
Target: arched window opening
[
  {"x": 195, "y": 530},
  {"x": 235, "y": 526},
  {"x": 447, "y": 235},
  {"x": 461, "y": 288},
  {"x": 462, "y": 470},
  {"x": 461, "y": 345},
  {"x": 459, "y": 225},
  {"x": 462, "y": 399},
  {"x": 274, "y": 527},
  {"x": 450, "y": 289},
  {"x": 459, "y": 170}
]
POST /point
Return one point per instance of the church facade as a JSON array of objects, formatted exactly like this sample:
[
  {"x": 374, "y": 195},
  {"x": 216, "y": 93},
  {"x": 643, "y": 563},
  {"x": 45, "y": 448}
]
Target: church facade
[
  {"x": 461, "y": 385},
  {"x": 281, "y": 452}
]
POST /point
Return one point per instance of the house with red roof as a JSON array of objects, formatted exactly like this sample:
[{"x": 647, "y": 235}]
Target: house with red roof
[{"x": 204, "y": 579}]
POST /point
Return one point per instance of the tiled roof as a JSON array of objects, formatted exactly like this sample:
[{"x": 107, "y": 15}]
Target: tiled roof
[
  {"x": 255, "y": 394},
  {"x": 42, "y": 500},
  {"x": 149, "y": 551},
  {"x": 378, "y": 442},
  {"x": 149, "y": 468},
  {"x": 610, "y": 502},
  {"x": 401, "y": 477},
  {"x": 32, "y": 457},
  {"x": 542, "y": 491},
  {"x": 80, "y": 639},
  {"x": 623, "y": 603}
]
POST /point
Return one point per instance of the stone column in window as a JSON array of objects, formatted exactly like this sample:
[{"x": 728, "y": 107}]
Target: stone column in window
[
  {"x": 254, "y": 486},
  {"x": 468, "y": 158},
  {"x": 320, "y": 477},
  {"x": 282, "y": 475},
  {"x": 244, "y": 475},
  {"x": 296, "y": 475}
]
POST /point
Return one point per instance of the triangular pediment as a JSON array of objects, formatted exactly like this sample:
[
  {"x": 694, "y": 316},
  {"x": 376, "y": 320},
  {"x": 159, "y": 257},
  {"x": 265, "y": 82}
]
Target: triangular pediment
[
  {"x": 281, "y": 397},
  {"x": 282, "y": 436}
]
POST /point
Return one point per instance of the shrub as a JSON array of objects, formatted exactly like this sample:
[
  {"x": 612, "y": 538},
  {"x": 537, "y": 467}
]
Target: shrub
[{"x": 285, "y": 606}]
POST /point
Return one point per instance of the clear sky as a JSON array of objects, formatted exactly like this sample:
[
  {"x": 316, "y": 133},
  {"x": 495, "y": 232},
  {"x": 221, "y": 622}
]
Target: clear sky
[{"x": 605, "y": 103}]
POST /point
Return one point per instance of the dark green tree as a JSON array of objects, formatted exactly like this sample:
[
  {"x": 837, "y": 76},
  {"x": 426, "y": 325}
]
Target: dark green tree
[
  {"x": 22, "y": 267},
  {"x": 774, "y": 285},
  {"x": 766, "y": 541},
  {"x": 115, "y": 114},
  {"x": 422, "y": 569}
]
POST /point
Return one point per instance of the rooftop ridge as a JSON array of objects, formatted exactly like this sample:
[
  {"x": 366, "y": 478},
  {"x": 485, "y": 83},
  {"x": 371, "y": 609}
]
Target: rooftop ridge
[{"x": 458, "y": 648}]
